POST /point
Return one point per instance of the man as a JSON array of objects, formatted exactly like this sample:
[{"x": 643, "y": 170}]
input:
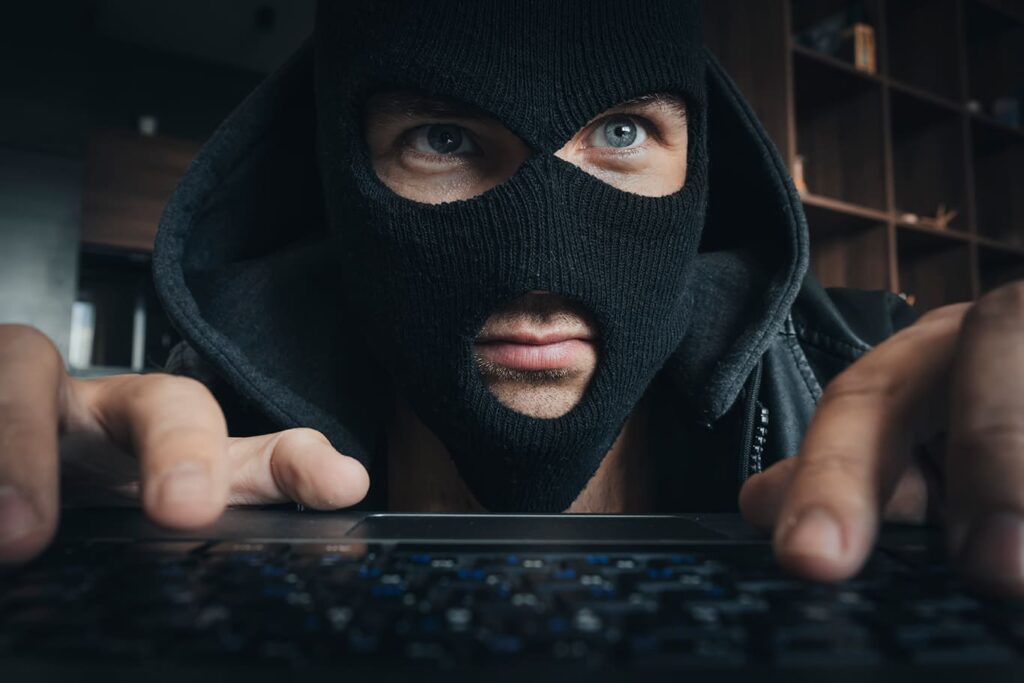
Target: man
[{"x": 525, "y": 256}]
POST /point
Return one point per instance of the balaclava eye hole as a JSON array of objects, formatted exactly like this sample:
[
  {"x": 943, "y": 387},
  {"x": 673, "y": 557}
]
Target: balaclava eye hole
[{"x": 434, "y": 150}]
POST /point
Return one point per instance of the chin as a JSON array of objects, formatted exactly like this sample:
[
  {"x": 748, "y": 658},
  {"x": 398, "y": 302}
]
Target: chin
[{"x": 538, "y": 401}]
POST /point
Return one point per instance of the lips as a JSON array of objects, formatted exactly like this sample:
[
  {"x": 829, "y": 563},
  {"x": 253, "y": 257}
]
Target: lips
[{"x": 536, "y": 350}]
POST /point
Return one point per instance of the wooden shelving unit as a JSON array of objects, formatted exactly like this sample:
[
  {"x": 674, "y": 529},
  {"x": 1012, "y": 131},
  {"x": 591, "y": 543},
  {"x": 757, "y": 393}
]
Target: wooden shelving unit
[{"x": 880, "y": 148}]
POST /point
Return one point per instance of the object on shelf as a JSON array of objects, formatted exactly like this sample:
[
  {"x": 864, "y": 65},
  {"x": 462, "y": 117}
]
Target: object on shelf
[
  {"x": 799, "y": 179},
  {"x": 940, "y": 221},
  {"x": 1007, "y": 110},
  {"x": 148, "y": 125},
  {"x": 858, "y": 47},
  {"x": 943, "y": 217},
  {"x": 83, "y": 330},
  {"x": 829, "y": 34},
  {"x": 909, "y": 298},
  {"x": 974, "y": 107}
]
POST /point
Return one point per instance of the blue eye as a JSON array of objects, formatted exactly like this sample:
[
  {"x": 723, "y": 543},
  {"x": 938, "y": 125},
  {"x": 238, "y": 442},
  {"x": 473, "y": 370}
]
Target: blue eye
[
  {"x": 620, "y": 132},
  {"x": 441, "y": 138}
]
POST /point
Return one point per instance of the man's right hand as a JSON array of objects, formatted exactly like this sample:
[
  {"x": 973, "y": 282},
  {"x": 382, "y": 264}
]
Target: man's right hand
[{"x": 157, "y": 439}]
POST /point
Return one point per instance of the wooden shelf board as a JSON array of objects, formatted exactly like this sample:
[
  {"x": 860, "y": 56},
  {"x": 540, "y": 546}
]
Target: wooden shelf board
[
  {"x": 922, "y": 94},
  {"x": 847, "y": 208},
  {"x": 997, "y": 125},
  {"x": 829, "y": 60},
  {"x": 996, "y": 245},
  {"x": 1013, "y": 13},
  {"x": 949, "y": 233}
]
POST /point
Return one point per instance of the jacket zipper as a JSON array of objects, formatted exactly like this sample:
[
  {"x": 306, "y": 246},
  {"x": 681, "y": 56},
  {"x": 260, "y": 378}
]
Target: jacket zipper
[{"x": 755, "y": 430}]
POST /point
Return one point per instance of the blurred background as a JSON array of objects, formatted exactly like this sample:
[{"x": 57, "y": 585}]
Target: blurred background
[{"x": 901, "y": 121}]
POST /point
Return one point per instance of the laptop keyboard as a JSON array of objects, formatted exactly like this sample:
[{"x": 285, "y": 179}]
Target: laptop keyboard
[{"x": 700, "y": 606}]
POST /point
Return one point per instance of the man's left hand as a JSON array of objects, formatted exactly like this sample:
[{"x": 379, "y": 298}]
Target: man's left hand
[{"x": 929, "y": 425}]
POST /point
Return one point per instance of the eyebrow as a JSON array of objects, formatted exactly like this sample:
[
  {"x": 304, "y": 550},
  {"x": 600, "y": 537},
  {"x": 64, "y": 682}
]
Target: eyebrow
[
  {"x": 660, "y": 99},
  {"x": 411, "y": 105}
]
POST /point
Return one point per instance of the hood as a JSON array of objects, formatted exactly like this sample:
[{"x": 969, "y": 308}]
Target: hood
[{"x": 247, "y": 269}]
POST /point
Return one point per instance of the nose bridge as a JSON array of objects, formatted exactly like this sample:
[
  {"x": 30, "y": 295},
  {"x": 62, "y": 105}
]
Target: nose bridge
[
  {"x": 562, "y": 227},
  {"x": 538, "y": 225}
]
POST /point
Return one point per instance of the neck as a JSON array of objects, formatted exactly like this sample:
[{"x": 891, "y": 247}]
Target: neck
[{"x": 422, "y": 476}]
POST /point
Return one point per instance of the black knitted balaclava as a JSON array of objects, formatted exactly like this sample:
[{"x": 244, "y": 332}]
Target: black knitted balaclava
[{"x": 424, "y": 278}]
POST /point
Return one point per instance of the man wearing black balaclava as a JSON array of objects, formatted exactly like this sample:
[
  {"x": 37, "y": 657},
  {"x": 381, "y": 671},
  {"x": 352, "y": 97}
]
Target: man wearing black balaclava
[{"x": 525, "y": 256}]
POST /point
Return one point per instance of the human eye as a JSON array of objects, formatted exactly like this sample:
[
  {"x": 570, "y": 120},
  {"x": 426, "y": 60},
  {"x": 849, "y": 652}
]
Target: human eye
[
  {"x": 441, "y": 139},
  {"x": 618, "y": 132}
]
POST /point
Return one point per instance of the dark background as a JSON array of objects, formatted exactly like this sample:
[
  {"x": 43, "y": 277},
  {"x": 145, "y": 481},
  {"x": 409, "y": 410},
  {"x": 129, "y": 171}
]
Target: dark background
[{"x": 81, "y": 187}]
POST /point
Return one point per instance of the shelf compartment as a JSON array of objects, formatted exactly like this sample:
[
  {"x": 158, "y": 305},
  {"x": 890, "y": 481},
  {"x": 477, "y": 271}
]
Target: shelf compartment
[
  {"x": 127, "y": 329},
  {"x": 839, "y": 132},
  {"x": 934, "y": 269},
  {"x": 928, "y": 158},
  {"x": 847, "y": 249},
  {"x": 995, "y": 57},
  {"x": 922, "y": 45},
  {"x": 815, "y": 25},
  {"x": 998, "y": 267},
  {"x": 998, "y": 182}
]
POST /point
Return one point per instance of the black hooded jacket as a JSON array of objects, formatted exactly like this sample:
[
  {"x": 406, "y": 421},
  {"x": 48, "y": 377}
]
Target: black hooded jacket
[{"x": 247, "y": 272}]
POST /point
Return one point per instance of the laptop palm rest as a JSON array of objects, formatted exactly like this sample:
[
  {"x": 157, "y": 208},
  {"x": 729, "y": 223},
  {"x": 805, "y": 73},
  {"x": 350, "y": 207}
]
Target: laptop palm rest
[{"x": 534, "y": 528}]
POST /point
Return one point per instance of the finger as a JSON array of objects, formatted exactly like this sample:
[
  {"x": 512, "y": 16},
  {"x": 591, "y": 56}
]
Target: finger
[
  {"x": 31, "y": 382},
  {"x": 298, "y": 465},
  {"x": 908, "y": 503},
  {"x": 762, "y": 494},
  {"x": 857, "y": 447},
  {"x": 985, "y": 453},
  {"x": 176, "y": 429}
]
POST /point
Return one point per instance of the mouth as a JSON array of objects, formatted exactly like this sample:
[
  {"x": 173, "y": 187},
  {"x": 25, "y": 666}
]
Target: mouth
[{"x": 531, "y": 350}]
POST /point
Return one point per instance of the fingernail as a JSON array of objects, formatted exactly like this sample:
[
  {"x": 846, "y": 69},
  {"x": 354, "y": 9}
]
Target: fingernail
[
  {"x": 813, "y": 533},
  {"x": 17, "y": 516},
  {"x": 993, "y": 551},
  {"x": 186, "y": 482}
]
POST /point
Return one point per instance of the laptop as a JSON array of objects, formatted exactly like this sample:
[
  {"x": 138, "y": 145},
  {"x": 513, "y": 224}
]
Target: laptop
[{"x": 275, "y": 594}]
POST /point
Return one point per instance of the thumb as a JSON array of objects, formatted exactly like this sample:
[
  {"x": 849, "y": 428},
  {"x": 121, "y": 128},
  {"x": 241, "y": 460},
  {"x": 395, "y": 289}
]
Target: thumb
[{"x": 297, "y": 465}]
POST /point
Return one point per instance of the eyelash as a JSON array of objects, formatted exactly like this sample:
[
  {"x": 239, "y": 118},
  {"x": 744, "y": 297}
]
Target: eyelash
[{"x": 405, "y": 144}]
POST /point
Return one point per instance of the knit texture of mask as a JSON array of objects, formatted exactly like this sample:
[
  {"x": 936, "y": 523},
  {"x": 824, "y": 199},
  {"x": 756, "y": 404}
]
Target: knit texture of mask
[{"x": 422, "y": 279}]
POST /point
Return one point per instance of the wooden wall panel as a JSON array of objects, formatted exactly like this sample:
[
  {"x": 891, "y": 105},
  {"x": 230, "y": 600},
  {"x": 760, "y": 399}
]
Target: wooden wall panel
[{"x": 128, "y": 180}]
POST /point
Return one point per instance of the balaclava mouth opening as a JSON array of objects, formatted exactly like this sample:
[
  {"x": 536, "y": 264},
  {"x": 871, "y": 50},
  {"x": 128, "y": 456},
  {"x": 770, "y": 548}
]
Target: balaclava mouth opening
[{"x": 422, "y": 279}]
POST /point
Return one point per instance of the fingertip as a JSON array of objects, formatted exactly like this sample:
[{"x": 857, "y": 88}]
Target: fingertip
[
  {"x": 991, "y": 554},
  {"x": 815, "y": 545},
  {"x": 24, "y": 531},
  {"x": 354, "y": 472},
  {"x": 26, "y": 547},
  {"x": 312, "y": 472},
  {"x": 342, "y": 482}
]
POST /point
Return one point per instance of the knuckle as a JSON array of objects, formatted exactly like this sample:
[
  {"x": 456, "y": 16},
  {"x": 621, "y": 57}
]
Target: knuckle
[
  {"x": 169, "y": 388},
  {"x": 943, "y": 313},
  {"x": 302, "y": 485},
  {"x": 861, "y": 383},
  {"x": 998, "y": 437},
  {"x": 1000, "y": 307},
  {"x": 303, "y": 437},
  {"x": 20, "y": 433},
  {"x": 834, "y": 464},
  {"x": 27, "y": 342}
]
